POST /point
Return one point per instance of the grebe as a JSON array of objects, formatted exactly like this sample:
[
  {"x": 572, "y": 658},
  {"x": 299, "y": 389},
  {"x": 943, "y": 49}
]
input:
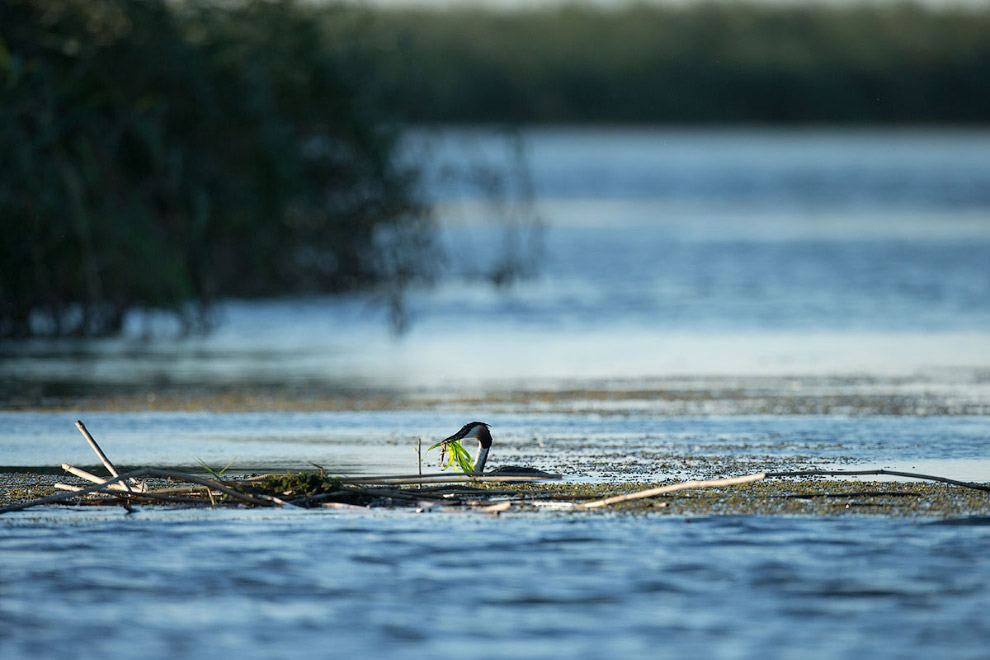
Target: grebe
[{"x": 479, "y": 431}]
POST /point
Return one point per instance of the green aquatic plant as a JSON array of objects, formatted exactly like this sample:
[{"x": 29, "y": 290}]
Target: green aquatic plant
[
  {"x": 216, "y": 474},
  {"x": 292, "y": 483},
  {"x": 453, "y": 453}
]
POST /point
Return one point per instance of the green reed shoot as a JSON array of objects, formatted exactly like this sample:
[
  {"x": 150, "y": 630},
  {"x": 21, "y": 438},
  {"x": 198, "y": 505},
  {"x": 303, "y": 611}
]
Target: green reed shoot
[
  {"x": 217, "y": 474},
  {"x": 455, "y": 454}
]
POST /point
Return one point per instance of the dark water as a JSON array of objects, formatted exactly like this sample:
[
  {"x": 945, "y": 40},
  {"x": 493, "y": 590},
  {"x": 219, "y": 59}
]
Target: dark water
[{"x": 263, "y": 585}]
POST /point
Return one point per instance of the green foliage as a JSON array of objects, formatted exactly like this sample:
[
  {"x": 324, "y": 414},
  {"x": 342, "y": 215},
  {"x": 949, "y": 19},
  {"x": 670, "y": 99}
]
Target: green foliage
[
  {"x": 297, "y": 483},
  {"x": 694, "y": 63},
  {"x": 452, "y": 453},
  {"x": 162, "y": 154},
  {"x": 216, "y": 474}
]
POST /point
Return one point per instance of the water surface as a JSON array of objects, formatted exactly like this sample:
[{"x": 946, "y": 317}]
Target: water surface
[
  {"x": 740, "y": 298},
  {"x": 258, "y": 584}
]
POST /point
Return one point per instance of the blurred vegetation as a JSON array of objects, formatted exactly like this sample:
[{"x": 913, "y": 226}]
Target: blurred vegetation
[
  {"x": 696, "y": 63},
  {"x": 160, "y": 154},
  {"x": 164, "y": 153}
]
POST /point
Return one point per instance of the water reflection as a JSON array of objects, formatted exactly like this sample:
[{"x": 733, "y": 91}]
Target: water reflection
[{"x": 666, "y": 252}]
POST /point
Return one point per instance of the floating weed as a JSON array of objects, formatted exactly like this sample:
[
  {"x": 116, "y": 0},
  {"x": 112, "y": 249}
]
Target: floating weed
[{"x": 297, "y": 483}]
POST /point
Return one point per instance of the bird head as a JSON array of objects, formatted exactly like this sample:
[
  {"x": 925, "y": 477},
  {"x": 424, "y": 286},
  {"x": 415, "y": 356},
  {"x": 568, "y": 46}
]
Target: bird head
[
  {"x": 473, "y": 430},
  {"x": 470, "y": 431}
]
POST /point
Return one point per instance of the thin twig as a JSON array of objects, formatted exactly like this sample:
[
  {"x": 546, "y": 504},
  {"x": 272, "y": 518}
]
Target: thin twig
[
  {"x": 419, "y": 458},
  {"x": 671, "y": 488}
]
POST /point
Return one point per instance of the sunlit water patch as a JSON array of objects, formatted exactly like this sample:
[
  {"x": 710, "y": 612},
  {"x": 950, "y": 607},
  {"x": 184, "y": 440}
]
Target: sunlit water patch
[{"x": 585, "y": 446}]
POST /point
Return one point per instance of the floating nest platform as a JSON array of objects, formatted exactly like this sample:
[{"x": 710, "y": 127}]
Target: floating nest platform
[{"x": 806, "y": 493}]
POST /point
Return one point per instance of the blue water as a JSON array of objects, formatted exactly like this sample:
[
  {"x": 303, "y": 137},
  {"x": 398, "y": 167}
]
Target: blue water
[
  {"x": 263, "y": 585},
  {"x": 711, "y": 280}
]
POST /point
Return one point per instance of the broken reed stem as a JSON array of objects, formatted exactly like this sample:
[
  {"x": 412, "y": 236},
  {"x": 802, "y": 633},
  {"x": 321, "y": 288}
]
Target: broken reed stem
[
  {"x": 96, "y": 448},
  {"x": 99, "y": 452},
  {"x": 179, "y": 499},
  {"x": 88, "y": 476},
  {"x": 447, "y": 478},
  {"x": 684, "y": 485},
  {"x": 893, "y": 473}
]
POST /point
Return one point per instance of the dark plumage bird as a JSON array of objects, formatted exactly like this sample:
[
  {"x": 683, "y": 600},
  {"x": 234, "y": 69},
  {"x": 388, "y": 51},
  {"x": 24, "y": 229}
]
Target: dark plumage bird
[{"x": 479, "y": 431}]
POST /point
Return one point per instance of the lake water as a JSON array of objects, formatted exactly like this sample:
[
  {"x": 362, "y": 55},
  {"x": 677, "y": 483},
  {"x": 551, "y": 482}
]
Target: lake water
[
  {"x": 257, "y": 584},
  {"x": 768, "y": 298}
]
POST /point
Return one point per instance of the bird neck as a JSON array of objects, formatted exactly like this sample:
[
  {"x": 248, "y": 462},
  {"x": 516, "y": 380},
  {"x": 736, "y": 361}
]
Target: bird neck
[{"x": 481, "y": 458}]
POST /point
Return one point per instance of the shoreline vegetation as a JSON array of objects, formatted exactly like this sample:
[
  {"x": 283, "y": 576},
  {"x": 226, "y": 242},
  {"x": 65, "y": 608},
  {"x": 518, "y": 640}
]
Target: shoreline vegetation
[
  {"x": 163, "y": 155},
  {"x": 791, "y": 492},
  {"x": 706, "y": 63}
]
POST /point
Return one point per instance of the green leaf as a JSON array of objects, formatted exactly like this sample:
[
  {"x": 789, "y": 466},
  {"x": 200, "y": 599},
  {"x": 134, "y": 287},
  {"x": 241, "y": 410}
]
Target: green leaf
[
  {"x": 454, "y": 454},
  {"x": 218, "y": 475}
]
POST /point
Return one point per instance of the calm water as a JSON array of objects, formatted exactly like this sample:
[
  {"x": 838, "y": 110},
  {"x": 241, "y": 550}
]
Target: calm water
[{"x": 745, "y": 272}]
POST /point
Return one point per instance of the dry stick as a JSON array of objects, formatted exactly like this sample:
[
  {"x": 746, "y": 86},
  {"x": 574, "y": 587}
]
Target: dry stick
[
  {"x": 440, "y": 478},
  {"x": 453, "y": 476},
  {"x": 494, "y": 509},
  {"x": 98, "y": 480},
  {"x": 419, "y": 458},
  {"x": 99, "y": 452},
  {"x": 61, "y": 497},
  {"x": 181, "y": 476},
  {"x": 913, "y": 475},
  {"x": 151, "y": 496},
  {"x": 88, "y": 476},
  {"x": 671, "y": 488},
  {"x": 209, "y": 483}
]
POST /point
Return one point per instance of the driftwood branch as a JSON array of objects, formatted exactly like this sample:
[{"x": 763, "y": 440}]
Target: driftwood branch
[
  {"x": 893, "y": 473},
  {"x": 684, "y": 485}
]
